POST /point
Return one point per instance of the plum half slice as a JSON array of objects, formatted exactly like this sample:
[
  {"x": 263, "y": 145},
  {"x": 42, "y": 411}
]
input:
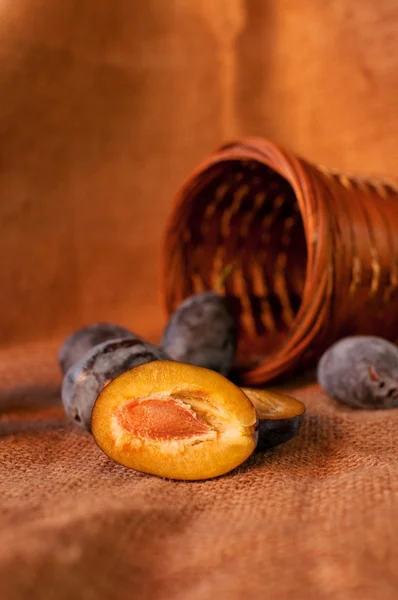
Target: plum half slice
[
  {"x": 175, "y": 420},
  {"x": 280, "y": 416}
]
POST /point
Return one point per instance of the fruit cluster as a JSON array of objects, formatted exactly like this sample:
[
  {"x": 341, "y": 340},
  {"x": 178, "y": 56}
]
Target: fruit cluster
[{"x": 171, "y": 410}]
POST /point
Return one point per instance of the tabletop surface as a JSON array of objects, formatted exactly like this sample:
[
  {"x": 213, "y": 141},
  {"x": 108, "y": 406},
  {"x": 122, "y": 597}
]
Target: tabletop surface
[{"x": 314, "y": 518}]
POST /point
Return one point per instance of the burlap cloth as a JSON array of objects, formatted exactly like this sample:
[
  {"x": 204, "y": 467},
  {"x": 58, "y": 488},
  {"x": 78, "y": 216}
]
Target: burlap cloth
[{"x": 315, "y": 518}]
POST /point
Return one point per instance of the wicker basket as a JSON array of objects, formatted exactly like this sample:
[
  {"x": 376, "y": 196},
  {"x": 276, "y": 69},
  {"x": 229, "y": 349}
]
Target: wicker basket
[{"x": 315, "y": 253}]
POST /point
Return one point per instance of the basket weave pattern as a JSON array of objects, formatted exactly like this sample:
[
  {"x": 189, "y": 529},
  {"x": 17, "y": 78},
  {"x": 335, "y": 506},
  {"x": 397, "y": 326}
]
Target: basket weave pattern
[{"x": 315, "y": 253}]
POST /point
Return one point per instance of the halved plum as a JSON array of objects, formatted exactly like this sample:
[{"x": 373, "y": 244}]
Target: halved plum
[
  {"x": 280, "y": 416},
  {"x": 175, "y": 420}
]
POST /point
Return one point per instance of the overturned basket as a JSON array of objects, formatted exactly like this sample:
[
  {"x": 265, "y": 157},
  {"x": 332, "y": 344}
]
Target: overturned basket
[{"x": 315, "y": 253}]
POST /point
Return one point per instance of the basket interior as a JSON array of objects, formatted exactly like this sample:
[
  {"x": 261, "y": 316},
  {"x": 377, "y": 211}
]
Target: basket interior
[{"x": 245, "y": 214}]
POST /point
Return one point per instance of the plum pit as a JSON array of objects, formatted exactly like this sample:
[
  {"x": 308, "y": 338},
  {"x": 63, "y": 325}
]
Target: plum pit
[{"x": 160, "y": 419}]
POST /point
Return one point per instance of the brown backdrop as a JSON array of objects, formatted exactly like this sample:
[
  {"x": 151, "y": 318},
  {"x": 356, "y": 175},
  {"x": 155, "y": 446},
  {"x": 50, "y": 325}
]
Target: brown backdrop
[{"x": 105, "y": 107}]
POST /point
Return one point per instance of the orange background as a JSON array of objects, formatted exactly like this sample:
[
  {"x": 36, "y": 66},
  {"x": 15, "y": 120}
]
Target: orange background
[{"x": 107, "y": 106}]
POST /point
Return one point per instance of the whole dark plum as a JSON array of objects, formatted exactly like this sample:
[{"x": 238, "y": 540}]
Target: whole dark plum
[
  {"x": 81, "y": 341},
  {"x": 87, "y": 378},
  {"x": 202, "y": 332},
  {"x": 361, "y": 371}
]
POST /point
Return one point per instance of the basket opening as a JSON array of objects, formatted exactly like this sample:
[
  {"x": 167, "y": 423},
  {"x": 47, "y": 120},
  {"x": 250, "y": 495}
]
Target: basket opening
[{"x": 244, "y": 213}]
